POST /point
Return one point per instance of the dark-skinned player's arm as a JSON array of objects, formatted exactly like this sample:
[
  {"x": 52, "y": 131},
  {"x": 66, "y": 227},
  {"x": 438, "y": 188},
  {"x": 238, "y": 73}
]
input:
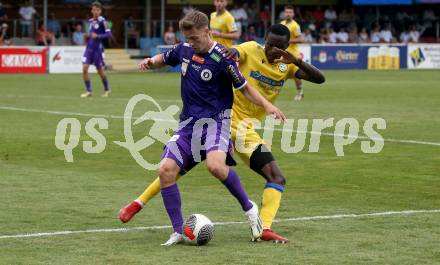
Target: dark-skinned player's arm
[
  {"x": 154, "y": 62},
  {"x": 306, "y": 71}
]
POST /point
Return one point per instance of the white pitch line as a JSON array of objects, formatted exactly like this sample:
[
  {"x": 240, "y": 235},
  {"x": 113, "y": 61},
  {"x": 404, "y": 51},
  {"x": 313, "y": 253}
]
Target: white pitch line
[
  {"x": 276, "y": 129},
  {"x": 158, "y": 227}
]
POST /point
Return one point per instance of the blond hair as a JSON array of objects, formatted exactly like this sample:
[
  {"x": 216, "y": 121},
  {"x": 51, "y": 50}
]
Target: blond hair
[{"x": 194, "y": 19}]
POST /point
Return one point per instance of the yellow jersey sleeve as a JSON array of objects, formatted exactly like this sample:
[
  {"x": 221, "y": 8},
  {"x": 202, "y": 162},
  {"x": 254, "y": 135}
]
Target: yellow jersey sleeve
[
  {"x": 295, "y": 30},
  {"x": 292, "y": 71},
  {"x": 230, "y": 24}
]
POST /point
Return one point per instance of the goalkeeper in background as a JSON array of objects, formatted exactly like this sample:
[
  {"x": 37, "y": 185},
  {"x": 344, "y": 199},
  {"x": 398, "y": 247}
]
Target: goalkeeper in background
[{"x": 266, "y": 69}]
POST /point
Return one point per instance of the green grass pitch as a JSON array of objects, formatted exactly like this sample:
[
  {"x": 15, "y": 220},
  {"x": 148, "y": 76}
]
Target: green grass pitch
[{"x": 41, "y": 192}]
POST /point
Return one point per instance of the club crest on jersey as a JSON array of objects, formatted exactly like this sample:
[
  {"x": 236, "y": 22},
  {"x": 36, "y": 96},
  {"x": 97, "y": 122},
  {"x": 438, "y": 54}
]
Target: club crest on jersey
[
  {"x": 206, "y": 74},
  {"x": 282, "y": 67},
  {"x": 96, "y": 25},
  {"x": 198, "y": 59}
]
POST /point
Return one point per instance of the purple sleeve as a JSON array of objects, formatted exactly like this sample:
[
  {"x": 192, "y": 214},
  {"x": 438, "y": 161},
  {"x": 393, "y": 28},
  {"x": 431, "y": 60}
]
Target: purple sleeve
[
  {"x": 231, "y": 68},
  {"x": 172, "y": 56},
  {"x": 107, "y": 32}
]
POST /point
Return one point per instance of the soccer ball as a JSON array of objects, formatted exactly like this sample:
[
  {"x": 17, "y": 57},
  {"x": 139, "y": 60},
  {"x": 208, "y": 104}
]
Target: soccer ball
[{"x": 198, "y": 230}]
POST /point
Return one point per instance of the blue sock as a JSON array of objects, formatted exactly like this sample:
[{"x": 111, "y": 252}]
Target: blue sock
[
  {"x": 88, "y": 85},
  {"x": 105, "y": 83},
  {"x": 232, "y": 183},
  {"x": 171, "y": 200}
]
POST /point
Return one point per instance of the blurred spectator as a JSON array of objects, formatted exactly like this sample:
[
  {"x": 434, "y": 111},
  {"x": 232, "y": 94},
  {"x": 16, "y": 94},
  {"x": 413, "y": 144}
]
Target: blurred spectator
[
  {"x": 252, "y": 13},
  {"x": 53, "y": 25},
  {"x": 132, "y": 31},
  {"x": 170, "y": 36},
  {"x": 265, "y": 19},
  {"x": 187, "y": 9},
  {"x": 344, "y": 17},
  {"x": 375, "y": 34},
  {"x": 240, "y": 17},
  {"x": 386, "y": 35},
  {"x": 78, "y": 37},
  {"x": 324, "y": 35},
  {"x": 27, "y": 13},
  {"x": 342, "y": 36},
  {"x": 5, "y": 40},
  {"x": 363, "y": 36},
  {"x": 353, "y": 36},
  {"x": 3, "y": 15},
  {"x": 298, "y": 15},
  {"x": 251, "y": 34},
  {"x": 308, "y": 38},
  {"x": 404, "y": 36},
  {"x": 354, "y": 17},
  {"x": 318, "y": 16},
  {"x": 332, "y": 36},
  {"x": 44, "y": 37},
  {"x": 429, "y": 15},
  {"x": 369, "y": 18},
  {"x": 414, "y": 34},
  {"x": 330, "y": 14}
]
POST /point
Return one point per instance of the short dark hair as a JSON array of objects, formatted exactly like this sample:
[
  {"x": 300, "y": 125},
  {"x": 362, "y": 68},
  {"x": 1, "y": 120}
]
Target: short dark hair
[
  {"x": 280, "y": 30},
  {"x": 288, "y": 7},
  {"x": 97, "y": 4},
  {"x": 194, "y": 19}
]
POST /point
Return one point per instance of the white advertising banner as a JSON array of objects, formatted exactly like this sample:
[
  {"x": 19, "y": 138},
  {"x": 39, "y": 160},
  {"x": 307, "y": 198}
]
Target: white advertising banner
[
  {"x": 424, "y": 56},
  {"x": 67, "y": 59}
]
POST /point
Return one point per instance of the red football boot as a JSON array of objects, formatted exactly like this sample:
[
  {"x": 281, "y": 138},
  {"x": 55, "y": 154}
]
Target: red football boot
[
  {"x": 129, "y": 211},
  {"x": 268, "y": 235}
]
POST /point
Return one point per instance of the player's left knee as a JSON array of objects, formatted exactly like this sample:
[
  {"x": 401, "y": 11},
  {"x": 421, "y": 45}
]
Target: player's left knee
[{"x": 278, "y": 179}]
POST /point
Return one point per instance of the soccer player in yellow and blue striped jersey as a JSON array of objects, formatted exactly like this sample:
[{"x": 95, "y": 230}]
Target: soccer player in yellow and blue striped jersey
[
  {"x": 295, "y": 38},
  {"x": 266, "y": 69},
  {"x": 222, "y": 25}
]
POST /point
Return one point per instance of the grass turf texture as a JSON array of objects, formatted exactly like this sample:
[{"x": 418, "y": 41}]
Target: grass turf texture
[{"x": 41, "y": 192}]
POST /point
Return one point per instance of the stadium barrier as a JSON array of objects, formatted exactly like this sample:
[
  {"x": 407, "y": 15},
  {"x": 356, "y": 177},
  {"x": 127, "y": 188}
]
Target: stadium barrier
[
  {"x": 30, "y": 59},
  {"x": 68, "y": 59}
]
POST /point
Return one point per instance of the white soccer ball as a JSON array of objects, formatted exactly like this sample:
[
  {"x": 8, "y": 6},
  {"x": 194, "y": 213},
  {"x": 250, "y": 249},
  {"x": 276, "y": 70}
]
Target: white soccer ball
[{"x": 198, "y": 229}]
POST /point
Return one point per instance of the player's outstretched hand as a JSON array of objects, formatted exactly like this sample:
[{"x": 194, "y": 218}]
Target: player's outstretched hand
[
  {"x": 231, "y": 53},
  {"x": 286, "y": 57},
  {"x": 146, "y": 64},
  {"x": 272, "y": 110}
]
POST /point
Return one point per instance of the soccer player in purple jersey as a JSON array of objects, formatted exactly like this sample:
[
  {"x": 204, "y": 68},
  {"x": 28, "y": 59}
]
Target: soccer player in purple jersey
[
  {"x": 207, "y": 95},
  {"x": 94, "y": 53}
]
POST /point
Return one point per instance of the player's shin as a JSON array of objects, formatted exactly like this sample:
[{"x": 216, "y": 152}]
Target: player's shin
[
  {"x": 172, "y": 202},
  {"x": 270, "y": 203},
  {"x": 152, "y": 190},
  {"x": 233, "y": 184}
]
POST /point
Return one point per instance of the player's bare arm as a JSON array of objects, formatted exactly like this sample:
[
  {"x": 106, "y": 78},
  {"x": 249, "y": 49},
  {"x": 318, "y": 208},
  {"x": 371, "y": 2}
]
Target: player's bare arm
[
  {"x": 255, "y": 97},
  {"x": 152, "y": 63},
  {"x": 299, "y": 39},
  {"x": 306, "y": 71},
  {"x": 231, "y": 35}
]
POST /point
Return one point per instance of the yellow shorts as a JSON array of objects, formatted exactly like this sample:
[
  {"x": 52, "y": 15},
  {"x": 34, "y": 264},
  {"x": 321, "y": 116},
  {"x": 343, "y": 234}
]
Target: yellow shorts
[{"x": 244, "y": 137}]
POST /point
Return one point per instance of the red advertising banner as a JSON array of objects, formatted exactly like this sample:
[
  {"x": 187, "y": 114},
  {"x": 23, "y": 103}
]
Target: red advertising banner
[{"x": 23, "y": 60}]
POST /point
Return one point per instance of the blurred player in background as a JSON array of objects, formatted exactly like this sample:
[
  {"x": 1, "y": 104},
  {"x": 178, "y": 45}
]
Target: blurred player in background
[
  {"x": 295, "y": 38},
  {"x": 265, "y": 70},
  {"x": 94, "y": 54},
  {"x": 207, "y": 83},
  {"x": 222, "y": 25}
]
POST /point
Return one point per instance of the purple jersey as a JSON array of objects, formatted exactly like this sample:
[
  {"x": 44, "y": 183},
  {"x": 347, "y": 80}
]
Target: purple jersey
[
  {"x": 98, "y": 26},
  {"x": 207, "y": 80}
]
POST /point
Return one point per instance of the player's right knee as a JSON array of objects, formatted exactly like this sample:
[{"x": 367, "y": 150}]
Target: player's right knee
[{"x": 167, "y": 174}]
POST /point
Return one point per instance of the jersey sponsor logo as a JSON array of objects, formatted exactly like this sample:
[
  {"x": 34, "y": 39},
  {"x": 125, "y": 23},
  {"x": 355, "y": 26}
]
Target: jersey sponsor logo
[
  {"x": 282, "y": 67},
  {"x": 196, "y": 67},
  {"x": 215, "y": 57},
  {"x": 184, "y": 67},
  {"x": 234, "y": 74},
  {"x": 198, "y": 59},
  {"x": 206, "y": 75},
  {"x": 267, "y": 80},
  {"x": 185, "y": 60}
]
